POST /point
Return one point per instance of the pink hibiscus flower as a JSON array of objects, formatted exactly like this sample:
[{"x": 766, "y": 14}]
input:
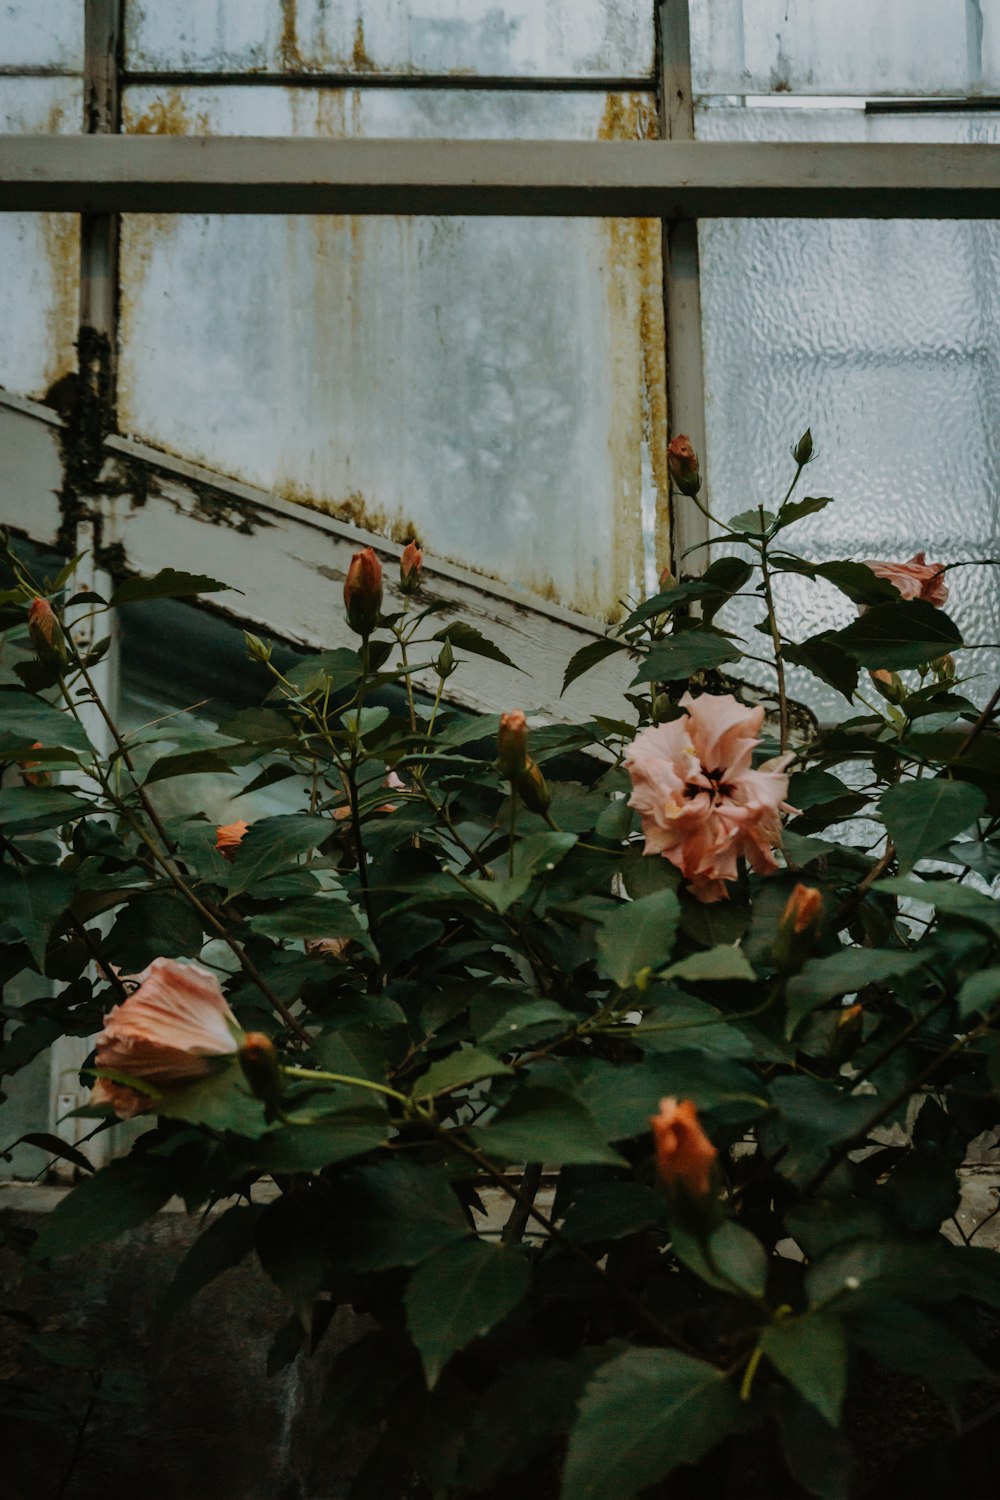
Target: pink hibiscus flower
[
  {"x": 916, "y": 579},
  {"x": 701, "y": 804}
]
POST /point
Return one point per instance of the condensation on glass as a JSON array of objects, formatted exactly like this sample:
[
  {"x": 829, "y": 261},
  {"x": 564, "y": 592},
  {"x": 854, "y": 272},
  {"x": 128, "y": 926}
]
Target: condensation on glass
[
  {"x": 41, "y": 92},
  {"x": 884, "y": 337},
  {"x": 845, "y": 46},
  {"x": 495, "y": 386},
  {"x": 557, "y": 38}
]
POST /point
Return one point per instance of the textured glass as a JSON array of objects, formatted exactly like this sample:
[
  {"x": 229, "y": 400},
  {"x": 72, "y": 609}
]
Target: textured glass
[
  {"x": 40, "y": 253},
  {"x": 561, "y": 38},
  {"x": 495, "y": 385},
  {"x": 884, "y": 338},
  {"x": 845, "y": 46},
  {"x": 41, "y": 34}
]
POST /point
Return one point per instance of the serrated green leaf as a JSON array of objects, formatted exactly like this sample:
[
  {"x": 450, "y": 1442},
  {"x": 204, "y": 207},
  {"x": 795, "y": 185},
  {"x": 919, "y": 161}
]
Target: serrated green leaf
[
  {"x": 896, "y": 636},
  {"x": 722, "y": 962},
  {"x": 25, "y": 720},
  {"x": 545, "y": 1124},
  {"x": 920, "y": 816},
  {"x": 396, "y": 1214},
  {"x": 638, "y": 935},
  {"x": 458, "y": 1294},
  {"x": 467, "y": 1065},
  {"x": 465, "y": 637},
  {"x": 228, "y": 1238},
  {"x": 272, "y": 844},
  {"x": 612, "y": 1210},
  {"x": 168, "y": 583},
  {"x": 794, "y": 510},
  {"x": 32, "y": 900},
  {"x": 843, "y": 973},
  {"x": 682, "y": 655},
  {"x": 30, "y": 809},
  {"x": 730, "y": 1258},
  {"x": 979, "y": 993},
  {"x": 589, "y": 656},
  {"x": 642, "y": 1415},
  {"x": 811, "y": 1353},
  {"x": 189, "y": 763},
  {"x": 118, "y": 1197}
]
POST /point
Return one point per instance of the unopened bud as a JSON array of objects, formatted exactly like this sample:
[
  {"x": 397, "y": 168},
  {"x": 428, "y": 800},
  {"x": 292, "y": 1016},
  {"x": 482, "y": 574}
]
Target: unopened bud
[
  {"x": 512, "y": 741},
  {"x": 889, "y": 685},
  {"x": 803, "y": 450},
  {"x": 229, "y": 837},
  {"x": 259, "y": 1062},
  {"x": 410, "y": 567},
  {"x": 667, "y": 580},
  {"x": 847, "y": 1034},
  {"x": 31, "y": 777},
  {"x": 257, "y": 650},
  {"x": 363, "y": 592},
  {"x": 45, "y": 631},
  {"x": 445, "y": 664},
  {"x": 682, "y": 462},
  {"x": 798, "y": 929},
  {"x": 533, "y": 790}
]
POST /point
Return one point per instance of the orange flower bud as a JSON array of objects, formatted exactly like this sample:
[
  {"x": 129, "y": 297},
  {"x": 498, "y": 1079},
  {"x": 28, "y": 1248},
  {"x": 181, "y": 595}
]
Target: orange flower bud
[
  {"x": 30, "y": 777},
  {"x": 410, "y": 567},
  {"x": 667, "y": 580},
  {"x": 682, "y": 462},
  {"x": 803, "y": 908},
  {"x": 229, "y": 837},
  {"x": 533, "y": 790},
  {"x": 363, "y": 591},
  {"x": 512, "y": 739},
  {"x": 259, "y": 1062},
  {"x": 42, "y": 621},
  {"x": 685, "y": 1156},
  {"x": 847, "y": 1034}
]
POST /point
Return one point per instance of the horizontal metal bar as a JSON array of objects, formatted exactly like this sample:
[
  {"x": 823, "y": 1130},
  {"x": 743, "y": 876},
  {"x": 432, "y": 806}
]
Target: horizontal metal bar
[
  {"x": 468, "y": 82},
  {"x": 646, "y": 179},
  {"x": 945, "y": 105}
]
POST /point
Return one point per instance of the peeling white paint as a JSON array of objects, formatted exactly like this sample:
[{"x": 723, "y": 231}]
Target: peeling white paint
[{"x": 41, "y": 34}]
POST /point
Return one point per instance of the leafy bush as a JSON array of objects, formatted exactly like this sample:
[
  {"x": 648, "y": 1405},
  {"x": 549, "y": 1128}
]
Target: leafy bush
[{"x": 706, "y": 998}]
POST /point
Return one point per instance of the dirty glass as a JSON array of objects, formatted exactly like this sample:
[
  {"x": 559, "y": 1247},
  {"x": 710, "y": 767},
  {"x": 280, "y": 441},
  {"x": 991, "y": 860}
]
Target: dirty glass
[
  {"x": 557, "y": 38},
  {"x": 884, "y": 337},
  {"x": 494, "y": 385},
  {"x": 845, "y": 46},
  {"x": 41, "y": 34},
  {"x": 39, "y": 253}
]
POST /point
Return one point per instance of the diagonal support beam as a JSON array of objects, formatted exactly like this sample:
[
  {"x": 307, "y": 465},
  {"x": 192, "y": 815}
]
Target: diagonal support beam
[{"x": 654, "y": 179}]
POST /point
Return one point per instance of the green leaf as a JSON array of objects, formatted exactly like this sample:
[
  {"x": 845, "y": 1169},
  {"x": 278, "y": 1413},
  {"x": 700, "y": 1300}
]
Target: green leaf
[
  {"x": 730, "y": 1258},
  {"x": 753, "y": 522},
  {"x": 311, "y": 917},
  {"x": 291, "y": 1240},
  {"x": 458, "y": 1294},
  {"x": 118, "y": 1197},
  {"x": 642, "y": 1415},
  {"x": 612, "y": 1210},
  {"x": 622, "y": 1099},
  {"x": 920, "y": 816},
  {"x": 685, "y": 653},
  {"x": 722, "y": 962},
  {"x": 154, "y": 923},
  {"x": 545, "y": 1124},
  {"x": 536, "y": 855},
  {"x": 947, "y": 897},
  {"x": 825, "y": 658},
  {"x": 465, "y": 637},
  {"x": 467, "y": 1065},
  {"x": 516, "y": 1419},
  {"x": 359, "y": 1051},
  {"x": 228, "y": 1238},
  {"x": 589, "y": 656},
  {"x": 29, "y": 809},
  {"x": 396, "y": 1214},
  {"x": 32, "y": 899},
  {"x": 979, "y": 993},
  {"x": 794, "y": 510},
  {"x": 896, "y": 636},
  {"x": 25, "y": 719},
  {"x": 811, "y": 1353},
  {"x": 498, "y": 1024},
  {"x": 272, "y": 844},
  {"x": 348, "y": 1132},
  {"x": 638, "y": 935},
  {"x": 167, "y": 584},
  {"x": 220, "y": 1101},
  {"x": 815, "y": 1116},
  {"x": 189, "y": 763},
  {"x": 903, "y": 1338},
  {"x": 817, "y": 1455},
  {"x": 843, "y": 973}
]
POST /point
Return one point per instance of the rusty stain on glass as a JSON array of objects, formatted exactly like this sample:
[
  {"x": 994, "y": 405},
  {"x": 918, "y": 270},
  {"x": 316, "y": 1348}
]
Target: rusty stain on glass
[{"x": 494, "y": 386}]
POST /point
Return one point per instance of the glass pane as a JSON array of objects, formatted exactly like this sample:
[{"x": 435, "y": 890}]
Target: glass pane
[
  {"x": 496, "y": 386},
  {"x": 41, "y": 34},
  {"x": 884, "y": 338},
  {"x": 40, "y": 253},
  {"x": 564, "y": 38},
  {"x": 845, "y": 46}
]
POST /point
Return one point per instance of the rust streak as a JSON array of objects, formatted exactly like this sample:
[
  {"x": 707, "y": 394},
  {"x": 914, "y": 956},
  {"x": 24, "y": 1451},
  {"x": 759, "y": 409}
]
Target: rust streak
[
  {"x": 291, "y": 56},
  {"x": 360, "y": 60}
]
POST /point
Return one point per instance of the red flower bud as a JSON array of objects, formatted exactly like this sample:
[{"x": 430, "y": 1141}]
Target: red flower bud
[
  {"x": 798, "y": 929},
  {"x": 667, "y": 580},
  {"x": 43, "y": 627},
  {"x": 410, "y": 567},
  {"x": 512, "y": 739},
  {"x": 363, "y": 591},
  {"x": 259, "y": 1062},
  {"x": 685, "y": 1157},
  {"x": 229, "y": 837},
  {"x": 803, "y": 908},
  {"x": 682, "y": 462}
]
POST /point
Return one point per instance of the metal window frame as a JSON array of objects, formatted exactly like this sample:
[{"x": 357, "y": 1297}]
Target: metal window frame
[{"x": 145, "y": 507}]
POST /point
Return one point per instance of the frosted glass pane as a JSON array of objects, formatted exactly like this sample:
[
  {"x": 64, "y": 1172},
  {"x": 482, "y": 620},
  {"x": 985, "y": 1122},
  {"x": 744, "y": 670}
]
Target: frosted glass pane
[
  {"x": 597, "y": 38},
  {"x": 41, "y": 34},
  {"x": 495, "y": 385},
  {"x": 845, "y": 46},
  {"x": 40, "y": 253}
]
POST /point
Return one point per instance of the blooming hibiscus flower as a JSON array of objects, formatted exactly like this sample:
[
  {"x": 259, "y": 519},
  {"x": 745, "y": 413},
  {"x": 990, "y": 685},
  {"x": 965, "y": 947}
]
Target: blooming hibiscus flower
[{"x": 702, "y": 805}]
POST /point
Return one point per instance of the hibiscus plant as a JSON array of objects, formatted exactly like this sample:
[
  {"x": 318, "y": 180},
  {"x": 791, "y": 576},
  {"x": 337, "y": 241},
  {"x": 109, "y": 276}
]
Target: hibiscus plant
[{"x": 620, "y": 1073}]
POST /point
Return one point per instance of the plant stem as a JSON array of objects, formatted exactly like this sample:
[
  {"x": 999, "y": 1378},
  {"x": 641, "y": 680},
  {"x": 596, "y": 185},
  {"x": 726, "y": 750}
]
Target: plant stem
[
  {"x": 514, "y": 1228},
  {"x": 772, "y": 620},
  {"x": 361, "y": 1083}
]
